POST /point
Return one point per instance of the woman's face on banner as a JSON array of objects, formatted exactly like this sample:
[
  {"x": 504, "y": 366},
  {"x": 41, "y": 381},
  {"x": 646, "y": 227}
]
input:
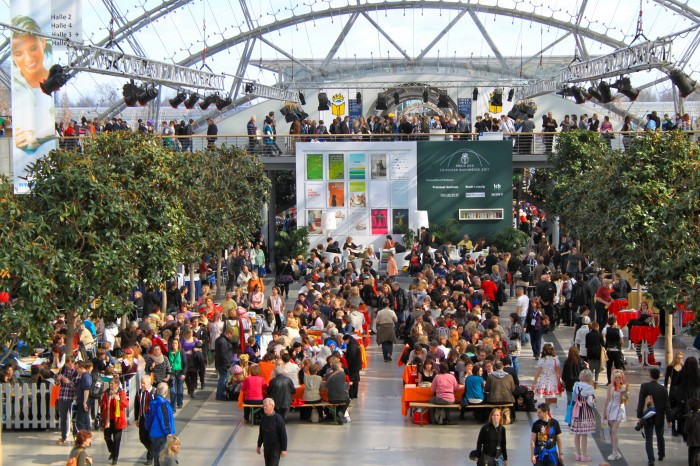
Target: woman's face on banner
[{"x": 28, "y": 54}]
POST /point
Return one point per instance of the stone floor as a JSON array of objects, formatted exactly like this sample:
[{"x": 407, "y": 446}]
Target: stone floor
[{"x": 213, "y": 432}]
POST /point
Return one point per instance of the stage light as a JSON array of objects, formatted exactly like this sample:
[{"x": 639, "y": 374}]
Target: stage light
[
  {"x": 442, "y": 100},
  {"x": 396, "y": 98},
  {"x": 129, "y": 94},
  {"x": 208, "y": 100},
  {"x": 249, "y": 88},
  {"x": 178, "y": 99},
  {"x": 222, "y": 103},
  {"x": 594, "y": 92},
  {"x": 358, "y": 98},
  {"x": 496, "y": 99},
  {"x": 683, "y": 82},
  {"x": 302, "y": 99},
  {"x": 425, "y": 96},
  {"x": 192, "y": 101},
  {"x": 605, "y": 92},
  {"x": 381, "y": 102},
  {"x": 323, "y": 101},
  {"x": 475, "y": 94},
  {"x": 146, "y": 93},
  {"x": 579, "y": 94},
  {"x": 511, "y": 93},
  {"x": 624, "y": 87},
  {"x": 57, "y": 78}
]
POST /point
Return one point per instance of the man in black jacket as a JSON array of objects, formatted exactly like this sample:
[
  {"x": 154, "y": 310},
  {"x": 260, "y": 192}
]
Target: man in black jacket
[
  {"x": 143, "y": 400},
  {"x": 223, "y": 358},
  {"x": 272, "y": 434},
  {"x": 660, "y": 396},
  {"x": 281, "y": 389},
  {"x": 353, "y": 357}
]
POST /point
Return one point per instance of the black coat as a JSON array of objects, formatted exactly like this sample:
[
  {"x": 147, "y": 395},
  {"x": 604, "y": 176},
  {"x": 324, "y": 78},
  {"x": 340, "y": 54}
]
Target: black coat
[
  {"x": 353, "y": 356},
  {"x": 223, "y": 356},
  {"x": 661, "y": 403},
  {"x": 281, "y": 389},
  {"x": 594, "y": 343}
]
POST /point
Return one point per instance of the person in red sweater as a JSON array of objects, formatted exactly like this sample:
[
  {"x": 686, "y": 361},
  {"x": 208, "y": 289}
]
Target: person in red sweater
[
  {"x": 114, "y": 403},
  {"x": 490, "y": 290}
]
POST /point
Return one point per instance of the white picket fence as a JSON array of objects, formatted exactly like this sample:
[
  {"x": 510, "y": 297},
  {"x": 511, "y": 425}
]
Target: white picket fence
[{"x": 24, "y": 406}]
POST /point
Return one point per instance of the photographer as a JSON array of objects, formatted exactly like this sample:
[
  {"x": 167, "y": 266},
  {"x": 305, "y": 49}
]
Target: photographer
[{"x": 659, "y": 398}]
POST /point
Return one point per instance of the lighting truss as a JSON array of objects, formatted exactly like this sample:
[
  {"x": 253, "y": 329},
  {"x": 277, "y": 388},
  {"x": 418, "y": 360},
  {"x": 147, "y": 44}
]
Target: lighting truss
[
  {"x": 273, "y": 93},
  {"x": 109, "y": 62},
  {"x": 403, "y": 85},
  {"x": 641, "y": 57},
  {"x": 538, "y": 88}
]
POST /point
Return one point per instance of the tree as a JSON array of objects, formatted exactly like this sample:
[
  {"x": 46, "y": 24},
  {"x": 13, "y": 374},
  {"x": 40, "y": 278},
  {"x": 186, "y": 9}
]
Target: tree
[{"x": 638, "y": 210}]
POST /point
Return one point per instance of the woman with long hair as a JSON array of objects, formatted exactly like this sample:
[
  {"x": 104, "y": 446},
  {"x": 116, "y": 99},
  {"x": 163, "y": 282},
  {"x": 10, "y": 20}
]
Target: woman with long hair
[
  {"x": 168, "y": 456},
  {"x": 618, "y": 395},
  {"x": 491, "y": 443},
  {"x": 689, "y": 388},
  {"x": 548, "y": 375},
  {"x": 178, "y": 367},
  {"x": 571, "y": 371},
  {"x": 583, "y": 414},
  {"x": 275, "y": 304},
  {"x": 672, "y": 381}
]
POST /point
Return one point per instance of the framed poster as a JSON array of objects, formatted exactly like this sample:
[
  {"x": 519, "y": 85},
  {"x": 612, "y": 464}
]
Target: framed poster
[
  {"x": 314, "y": 166},
  {"x": 315, "y": 194},
  {"x": 358, "y": 223},
  {"x": 314, "y": 220},
  {"x": 400, "y": 193},
  {"x": 379, "y": 194},
  {"x": 358, "y": 194},
  {"x": 378, "y": 164},
  {"x": 399, "y": 221},
  {"x": 400, "y": 165},
  {"x": 336, "y": 194},
  {"x": 380, "y": 222},
  {"x": 336, "y": 166},
  {"x": 357, "y": 169}
]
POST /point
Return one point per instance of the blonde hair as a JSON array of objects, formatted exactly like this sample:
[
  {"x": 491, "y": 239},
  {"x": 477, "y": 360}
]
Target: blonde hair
[{"x": 169, "y": 450}]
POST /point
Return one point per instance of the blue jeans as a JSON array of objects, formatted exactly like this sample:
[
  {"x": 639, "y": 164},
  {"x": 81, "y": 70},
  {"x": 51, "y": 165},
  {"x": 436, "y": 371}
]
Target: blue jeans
[
  {"x": 157, "y": 446},
  {"x": 661, "y": 445},
  {"x": 221, "y": 384},
  {"x": 516, "y": 366},
  {"x": 64, "y": 408},
  {"x": 82, "y": 418},
  {"x": 177, "y": 391}
]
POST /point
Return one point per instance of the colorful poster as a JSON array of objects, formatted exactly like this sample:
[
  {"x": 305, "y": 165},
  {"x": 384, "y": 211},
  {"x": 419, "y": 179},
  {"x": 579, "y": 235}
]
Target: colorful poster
[
  {"x": 400, "y": 166},
  {"x": 400, "y": 193},
  {"x": 378, "y": 162},
  {"x": 357, "y": 169},
  {"x": 380, "y": 222},
  {"x": 315, "y": 194},
  {"x": 336, "y": 194},
  {"x": 33, "y": 112},
  {"x": 314, "y": 166},
  {"x": 358, "y": 194},
  {"x": 336, "y": 166},
  {"x": 314, "y": 220},
  {"x": 399, "y": 221},
  {"x": 379, "y": 194}
]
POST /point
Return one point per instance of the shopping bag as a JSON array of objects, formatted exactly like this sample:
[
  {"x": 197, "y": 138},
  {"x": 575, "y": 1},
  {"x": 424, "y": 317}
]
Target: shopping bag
[
  {"x": 569, "y": 410},
  {"x": 54, "y": 394},
  {"x": 605, "y": 434}
]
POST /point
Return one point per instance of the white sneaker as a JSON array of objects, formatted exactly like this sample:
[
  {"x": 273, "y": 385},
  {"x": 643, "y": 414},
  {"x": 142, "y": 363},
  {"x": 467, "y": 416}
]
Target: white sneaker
[{"x": 615, "y": 456}]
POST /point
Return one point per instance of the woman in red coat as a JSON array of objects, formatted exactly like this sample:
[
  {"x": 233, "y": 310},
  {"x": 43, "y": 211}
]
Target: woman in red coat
[
  {"x": 113, "y": 404},
  {"x": 490, "y": 290}
]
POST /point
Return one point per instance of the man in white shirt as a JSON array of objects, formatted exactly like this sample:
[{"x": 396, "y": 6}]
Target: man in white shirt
[
  {"x": 357, "y": 318},
  {"x": 522, "y": 304}
]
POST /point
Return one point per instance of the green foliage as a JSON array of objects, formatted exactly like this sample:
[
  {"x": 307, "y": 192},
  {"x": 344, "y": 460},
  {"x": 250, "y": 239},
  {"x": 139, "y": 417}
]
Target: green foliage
[
  {"x": 446, "y": 231},
  {"x": 409, "y": 236},
  {"x": 292, "y": 244},
  {"x": 510, "y": 240}
]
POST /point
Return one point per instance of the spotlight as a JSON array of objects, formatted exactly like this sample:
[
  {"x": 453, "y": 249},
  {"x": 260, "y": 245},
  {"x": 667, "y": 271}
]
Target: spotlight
[
  {"x": 475, "y": 94},
  {"x": 178, "y": 99},
  {"x": 425, "y": 96},
  {"x": 192, "y": 101},
  {"x": 208, "y": 100},
  {"x": 302, "y": 99},
  {"x": 129, "y": 94},
  {"x": 358, "y": 98},
  {"x": 579, "y": 94},
  {"x": 682, "y": 81},
  {"x": 323, "y": 101},
  {"x": 496, "y": 99},
  {"x": 381, "y": 102},
  {"x": 249, "y": 88},
  {"x": 511, "y": 93},
  {"x": 222, "y": 103},
  {"x": 594, "y": 92},
  {"x": 146, "y": 93},
  {"x": 57, "y": 78},
  {"x": 624, "y": 87},
  {"x": 396, "y": 98},
  {"x": 605, "y": 92},
  {"x": 442, "y": 100}
]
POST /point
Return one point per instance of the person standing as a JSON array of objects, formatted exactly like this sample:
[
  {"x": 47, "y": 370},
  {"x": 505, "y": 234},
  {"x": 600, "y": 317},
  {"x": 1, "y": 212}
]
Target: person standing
[
  {"x": 692, "y": 430},
  {"x": 614, "y": 341},
  {"x": 170, "y": 452},
  {"x": 68, "y": 379},
  {"x": 272, "y": 434},
  {"x": 159, "y": 421},
  {"x": 386, "y": 319},
  {"x": 82, "y": 396},
  {"x": 281, "y": 389},
  {"x": 491, "y": 443},
  {"x": 660, "y": 399},
  {"x": 353, "y": 356},
  {"x": 212, "y": 130},
  {"x": 178, "y": 366},
  {"x": 545, "y": 439},
  {"x": 549, "y": 125},
  {"x": 618, "y": 394},
  {"x": 252, "y": 131},
  {"x": 534, "y": 326},
  {"x": 113, "y": 406},
  {"x": 583, "y": 414},
  {"x": 223, "y": 359},
  {"x": 143, "y": 400}
]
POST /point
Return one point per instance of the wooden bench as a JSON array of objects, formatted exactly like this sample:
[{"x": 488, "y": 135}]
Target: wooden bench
[
  {"x": 424, "y": 405},
  {"x": 333, "y": 407}
]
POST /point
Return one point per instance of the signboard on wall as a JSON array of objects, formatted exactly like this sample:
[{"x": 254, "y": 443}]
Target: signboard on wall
[
  {"x": 355, "y": 109},
  {"x": 464, "y": 105},
  {"x": 470, "y": 181}
]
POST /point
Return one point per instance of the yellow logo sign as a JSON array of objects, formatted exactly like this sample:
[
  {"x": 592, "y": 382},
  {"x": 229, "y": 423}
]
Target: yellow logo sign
[{"x": 338, "y": 105}]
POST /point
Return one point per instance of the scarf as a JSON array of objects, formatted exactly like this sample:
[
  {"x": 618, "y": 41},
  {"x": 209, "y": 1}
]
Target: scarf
[{"x": 158, "y": 359}]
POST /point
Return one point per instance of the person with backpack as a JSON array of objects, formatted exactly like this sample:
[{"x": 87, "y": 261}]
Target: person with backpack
[
  {"x": 223, "y": 359},
  {"x": 113, "y": 406},
  {"x": 159, "y": 421},
  {"x": 78, "y": 456}
]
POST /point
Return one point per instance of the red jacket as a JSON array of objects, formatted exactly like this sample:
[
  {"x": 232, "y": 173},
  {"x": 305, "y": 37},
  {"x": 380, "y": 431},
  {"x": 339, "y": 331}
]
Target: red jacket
[
  {"x": 490, "y": 289},
  {"x": 109, "y": 410}
]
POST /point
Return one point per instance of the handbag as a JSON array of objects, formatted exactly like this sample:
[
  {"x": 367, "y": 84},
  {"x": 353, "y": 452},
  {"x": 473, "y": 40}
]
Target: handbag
[
  {"x": 603, "y": 356},
  {"x": 55, "y": 389},
  {"x": 569, "y": 410},
  {"x": 605, "y": 434}
]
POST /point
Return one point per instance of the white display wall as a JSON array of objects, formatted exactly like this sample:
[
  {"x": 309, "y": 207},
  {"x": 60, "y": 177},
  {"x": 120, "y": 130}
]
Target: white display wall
[{"x": 369, "y": 186}]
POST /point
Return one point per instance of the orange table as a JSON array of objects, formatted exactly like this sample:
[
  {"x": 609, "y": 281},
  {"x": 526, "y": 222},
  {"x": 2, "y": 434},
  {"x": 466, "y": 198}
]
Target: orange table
[
  {"x": 639, "y": 333},
  {"x": 412, "y": 393},
  {"x": 410, "y": 374}
]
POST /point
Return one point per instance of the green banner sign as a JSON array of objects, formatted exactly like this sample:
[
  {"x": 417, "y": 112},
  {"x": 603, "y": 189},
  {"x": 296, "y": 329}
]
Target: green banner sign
[{"x": 468, "y": 181}]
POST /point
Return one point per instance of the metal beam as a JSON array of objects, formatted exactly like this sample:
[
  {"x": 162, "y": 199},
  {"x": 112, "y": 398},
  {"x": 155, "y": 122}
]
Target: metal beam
[
  {"x": 386, "y": 36},
  {"x": 288, "y": 55},
  {"x": 242, "y": 65},
  {"x": 682, "y": 9},
  {"x": 246, "y": 13},
  {"x": 489, "y": 41},
  {"x": 441, "y": 35},
  {"x": 444, "y": 5},
  {"x": 121, "y": 22},
  {"x": 341, "y": 37}
]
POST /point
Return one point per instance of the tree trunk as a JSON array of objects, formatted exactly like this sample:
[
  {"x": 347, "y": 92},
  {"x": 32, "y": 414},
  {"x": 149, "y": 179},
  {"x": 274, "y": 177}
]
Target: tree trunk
[
  {"x": 669, "y": 338},
  {"x": 70, "y": 331},
  {"x": 218, "y": 276},
  {"x": 164, "y": 299},
  {"x": 192, "y": 291}
]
